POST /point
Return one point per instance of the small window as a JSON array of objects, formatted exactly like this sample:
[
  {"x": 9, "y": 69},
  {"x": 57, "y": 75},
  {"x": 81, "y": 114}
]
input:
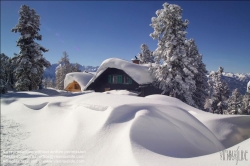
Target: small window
[
  {"x": 115, "y": 79},
  {"x": 109, "y": 78},
  {"x": 127, "y": 80}
]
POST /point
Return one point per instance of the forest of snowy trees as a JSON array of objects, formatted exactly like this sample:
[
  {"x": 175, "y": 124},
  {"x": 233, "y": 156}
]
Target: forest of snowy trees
[{"x": 176, "y": 64}]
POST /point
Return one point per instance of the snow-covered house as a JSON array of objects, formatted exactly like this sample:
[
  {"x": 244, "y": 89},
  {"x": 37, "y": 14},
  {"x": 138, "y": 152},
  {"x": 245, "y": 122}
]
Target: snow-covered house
[
  {"x": 118, "y": 74},
  {"x": 76, "y": 81}
]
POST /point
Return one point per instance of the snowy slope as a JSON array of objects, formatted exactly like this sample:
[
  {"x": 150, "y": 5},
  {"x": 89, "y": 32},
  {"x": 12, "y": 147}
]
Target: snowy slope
[{"x": 115, "y": 129}]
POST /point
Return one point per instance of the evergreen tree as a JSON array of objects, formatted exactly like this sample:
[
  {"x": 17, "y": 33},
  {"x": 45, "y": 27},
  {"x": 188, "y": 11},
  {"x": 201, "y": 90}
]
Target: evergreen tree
[
  {"x": 30, "y": 62},
  {"x": 245, "y": 109},
  {"x": 75, "y": 68},
  {"x": 235, "y": 102},
  {"x": 220, "y": 92},
  {"x": 200, "y": 78},
  {"x": 59, "y": 77},
  {"x": 174, "y": 70},
  {"x": 5, "y": 71},
  {"x": 146, "y": 56}
]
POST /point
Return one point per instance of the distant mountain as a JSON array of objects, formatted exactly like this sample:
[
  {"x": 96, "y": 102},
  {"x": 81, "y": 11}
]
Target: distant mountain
[
  {"x": 237, "y": 81},
  {"x": 50, "y": 72}
]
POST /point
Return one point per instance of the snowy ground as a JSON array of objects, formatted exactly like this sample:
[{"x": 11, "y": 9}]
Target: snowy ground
[{"x": 51, "y": 127}]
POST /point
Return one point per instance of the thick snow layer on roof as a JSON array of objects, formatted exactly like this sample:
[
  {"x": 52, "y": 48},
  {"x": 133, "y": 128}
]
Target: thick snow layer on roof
[
  {"x": 111, "y": 130},
  {"x": 139, "y": 73},
  {"x": 82, "y": 78}
]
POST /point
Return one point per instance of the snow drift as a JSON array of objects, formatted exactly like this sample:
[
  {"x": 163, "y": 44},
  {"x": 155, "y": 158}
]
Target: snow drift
[{"x": 118, "y": 129}]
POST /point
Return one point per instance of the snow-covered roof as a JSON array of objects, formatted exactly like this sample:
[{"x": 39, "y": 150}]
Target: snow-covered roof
[
  {"x": 138, "y": 72},
  {"x": 82, "y": 78}
]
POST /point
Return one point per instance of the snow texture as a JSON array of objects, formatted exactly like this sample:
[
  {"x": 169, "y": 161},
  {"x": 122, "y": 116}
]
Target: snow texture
[
  {"x": 120, "y": 129},
  {"x": 138, "y": 72},
  {"x": 82, "y": 78}
]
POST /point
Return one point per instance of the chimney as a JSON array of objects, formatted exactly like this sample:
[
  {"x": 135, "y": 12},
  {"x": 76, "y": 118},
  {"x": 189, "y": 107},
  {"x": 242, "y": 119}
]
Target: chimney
[{"x": 136, "y": 60}]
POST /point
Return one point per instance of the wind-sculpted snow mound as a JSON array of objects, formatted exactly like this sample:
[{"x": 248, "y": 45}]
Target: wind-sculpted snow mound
[
  {"x": 158, "y": 128},
  {"x": 121, "y": 130}
]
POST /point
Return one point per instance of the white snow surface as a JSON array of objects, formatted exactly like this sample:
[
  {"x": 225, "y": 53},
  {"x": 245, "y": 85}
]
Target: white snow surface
[
  {"x": 112, "y": 129},
  {"x": 137, "y": 72},
  {"x": 82, "y": 78},
  {"x": 121, "y": 92}
]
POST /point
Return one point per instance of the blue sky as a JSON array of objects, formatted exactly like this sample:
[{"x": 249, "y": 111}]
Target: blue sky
[{"x": 91, "y": 32}]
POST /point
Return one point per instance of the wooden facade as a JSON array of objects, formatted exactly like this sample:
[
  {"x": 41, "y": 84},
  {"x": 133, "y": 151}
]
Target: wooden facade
[
  {"x": 116, "y": 79},
  {"x": 73, "y": 87}
]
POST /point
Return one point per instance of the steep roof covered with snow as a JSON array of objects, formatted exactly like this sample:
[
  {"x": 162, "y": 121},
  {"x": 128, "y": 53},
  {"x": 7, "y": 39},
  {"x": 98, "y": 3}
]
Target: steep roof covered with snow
[
  {"x": 138, "y": 72},
  {"x": 82, "y": 78}
]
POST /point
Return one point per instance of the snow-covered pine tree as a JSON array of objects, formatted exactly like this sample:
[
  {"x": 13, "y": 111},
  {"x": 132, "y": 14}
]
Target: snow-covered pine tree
[
  {"x": 59, "y": 77},
  {"x": 63, "y": 68},
  {"x": 235, "y": 102},
  {"x": 66, "y": 66},
  {"x": 75, "y": 68},
  {"x": 220, "y": 94},
  {"x": 146, "y": 56},
  {"x": 200, "y": 78},
  {"x": 245, "y": 109},
  {"x": 5, "y": 73},
  {"x": 30, "y": 62},
  {"x": 173, "y": 70},
  {"x": 50, "y": 83}
]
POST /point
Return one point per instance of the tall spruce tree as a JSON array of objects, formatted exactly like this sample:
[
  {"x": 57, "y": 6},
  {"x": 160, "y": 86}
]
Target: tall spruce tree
[
  {"x": 146, "y": 56},
  {"x": 220, "y": 94},
  {"x": 174, "y": 70},
  {"x": 64, "y": 68},
  {"x": 30, "y": 63},
  {"x": 200, "y": 78},
  {"x": 5, "y": 73},
  {"x": 235, "y": 102}
]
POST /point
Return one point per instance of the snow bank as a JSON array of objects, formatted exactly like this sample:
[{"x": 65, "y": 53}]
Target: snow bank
[
  {"x": 121, "y": 92},
  {"x": 82, "y": 78},
  {"x": 121, "y": 130},
  {"x": 137, "y": 72}
]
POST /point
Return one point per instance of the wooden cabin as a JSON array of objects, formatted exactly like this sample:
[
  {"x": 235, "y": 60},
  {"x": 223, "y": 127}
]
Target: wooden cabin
[
  {"x": 76, "y": 81},
  {"x": 120, "y": 75},
  {"x": 73, "y": 87}
]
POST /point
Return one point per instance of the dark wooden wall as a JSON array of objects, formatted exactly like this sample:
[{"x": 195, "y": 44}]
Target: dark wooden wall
[{"x": 102, "y": 82}]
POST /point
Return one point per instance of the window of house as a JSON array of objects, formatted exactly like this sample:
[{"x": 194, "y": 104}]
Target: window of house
[
  {"x": 119, "y": 79},
  {"x": 115, "y": 79},
  {"x": 127, "y": 80}
]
